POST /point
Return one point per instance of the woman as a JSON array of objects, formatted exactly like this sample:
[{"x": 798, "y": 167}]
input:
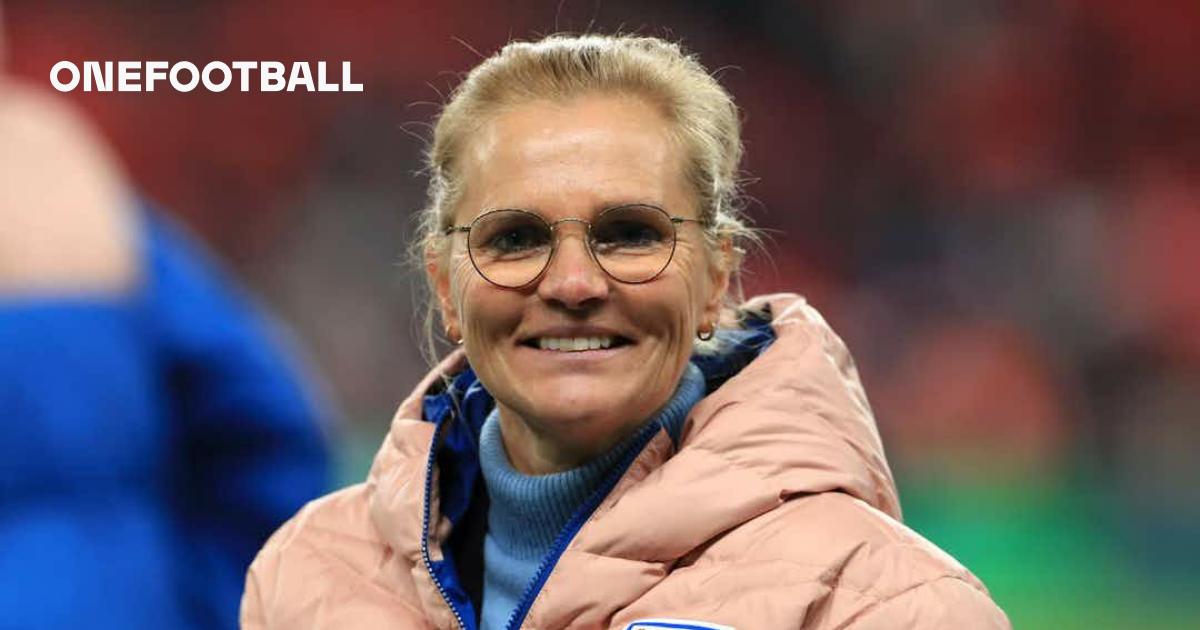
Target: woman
[{"x": 613, "y": 446}]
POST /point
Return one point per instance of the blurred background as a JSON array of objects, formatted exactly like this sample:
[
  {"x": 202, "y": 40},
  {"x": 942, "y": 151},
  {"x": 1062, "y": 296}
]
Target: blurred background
[{"x": 997, "y": 204}]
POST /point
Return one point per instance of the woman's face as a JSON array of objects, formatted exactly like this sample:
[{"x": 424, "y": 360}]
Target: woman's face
[{"x": 562, "y": 160}]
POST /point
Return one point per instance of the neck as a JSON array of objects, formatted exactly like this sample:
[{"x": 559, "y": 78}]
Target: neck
[
  {"x": 534, "y": 452},
  {"x": 533, "y": 449}
]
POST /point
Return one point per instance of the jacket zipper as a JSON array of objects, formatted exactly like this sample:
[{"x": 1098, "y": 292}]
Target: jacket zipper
[
  {"x": 437, "y": 436},
  {"x": 576, "y": 523}
]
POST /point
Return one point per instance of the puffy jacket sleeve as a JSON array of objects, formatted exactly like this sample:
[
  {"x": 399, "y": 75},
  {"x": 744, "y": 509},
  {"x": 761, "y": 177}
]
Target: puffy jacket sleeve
[
  {"x": 942, "y": 604},
  {"x": 260, "y": 581},
  {"x": 253, "y": 616}
]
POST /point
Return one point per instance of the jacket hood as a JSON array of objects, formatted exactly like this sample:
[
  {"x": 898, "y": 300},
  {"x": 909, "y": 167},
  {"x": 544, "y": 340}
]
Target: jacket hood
[{"x": 798, "y": 415}]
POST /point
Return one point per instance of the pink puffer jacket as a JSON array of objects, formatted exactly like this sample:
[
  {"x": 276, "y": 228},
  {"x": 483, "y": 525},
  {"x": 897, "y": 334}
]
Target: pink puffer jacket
[{"x": 777, "y": 511}]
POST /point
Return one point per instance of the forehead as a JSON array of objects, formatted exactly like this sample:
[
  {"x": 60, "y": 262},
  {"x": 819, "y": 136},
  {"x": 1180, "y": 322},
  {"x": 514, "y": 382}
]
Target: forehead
[{"x": 573, "y": 159}]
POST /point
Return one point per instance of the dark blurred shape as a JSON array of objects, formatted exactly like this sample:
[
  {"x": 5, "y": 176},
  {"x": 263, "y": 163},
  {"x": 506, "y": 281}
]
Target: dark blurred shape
[{"x": 155, "y": 431}]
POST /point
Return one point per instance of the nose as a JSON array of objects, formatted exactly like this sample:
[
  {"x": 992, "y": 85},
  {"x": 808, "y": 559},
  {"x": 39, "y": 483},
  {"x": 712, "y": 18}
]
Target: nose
[{"x": 573, "y": 279}]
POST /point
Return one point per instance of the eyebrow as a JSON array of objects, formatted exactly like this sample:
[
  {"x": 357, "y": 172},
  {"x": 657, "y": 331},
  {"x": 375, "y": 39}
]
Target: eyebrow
[{"x": 597, "y": 209}]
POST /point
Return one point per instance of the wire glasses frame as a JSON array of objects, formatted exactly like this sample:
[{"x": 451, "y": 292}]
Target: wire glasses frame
[{"x": 637, "y": 216}]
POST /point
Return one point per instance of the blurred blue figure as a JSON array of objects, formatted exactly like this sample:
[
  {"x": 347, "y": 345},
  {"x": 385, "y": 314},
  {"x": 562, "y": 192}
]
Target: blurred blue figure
[{"x": 152, "y": 431}]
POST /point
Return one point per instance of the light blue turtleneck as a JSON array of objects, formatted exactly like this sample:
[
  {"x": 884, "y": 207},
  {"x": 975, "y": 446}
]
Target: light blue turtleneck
[{"x": 527, "y": 513}]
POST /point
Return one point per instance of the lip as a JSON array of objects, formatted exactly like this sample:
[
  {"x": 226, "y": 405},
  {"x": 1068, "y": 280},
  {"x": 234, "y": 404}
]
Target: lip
[
  {"x": 524, "y": 340},
  {"x": 580, "y": 358}
]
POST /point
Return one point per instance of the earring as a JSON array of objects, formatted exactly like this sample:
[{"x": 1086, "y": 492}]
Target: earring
[
  {"x": 706, "y": 332},
  {"x": 453, "y": 335}
]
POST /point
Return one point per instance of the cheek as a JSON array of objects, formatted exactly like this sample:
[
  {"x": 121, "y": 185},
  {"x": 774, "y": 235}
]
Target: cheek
[
  {"x": 693, "y": 274},
  {"x": 463, "y": 293},
  {"x": 485, "y": 311},
  {"x": 678, "y": 305},
  {"x": 462, "y": 282}
]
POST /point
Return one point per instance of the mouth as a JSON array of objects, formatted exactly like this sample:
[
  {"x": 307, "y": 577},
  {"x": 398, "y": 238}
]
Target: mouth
[{"x": 576, "y": 344}]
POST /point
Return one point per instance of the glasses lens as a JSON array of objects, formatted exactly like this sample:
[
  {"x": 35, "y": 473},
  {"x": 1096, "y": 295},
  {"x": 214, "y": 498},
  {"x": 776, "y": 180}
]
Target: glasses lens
[
  {"x": 633, "y": 243},
  {"x": 510, "y": 247}
]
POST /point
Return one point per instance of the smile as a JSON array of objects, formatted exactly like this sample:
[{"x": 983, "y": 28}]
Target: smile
[{"x": 575, "y": 344}]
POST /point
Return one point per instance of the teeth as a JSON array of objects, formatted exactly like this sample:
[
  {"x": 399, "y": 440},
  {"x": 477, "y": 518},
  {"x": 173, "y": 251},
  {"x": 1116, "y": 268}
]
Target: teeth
[{"x": 574, "y": 344}]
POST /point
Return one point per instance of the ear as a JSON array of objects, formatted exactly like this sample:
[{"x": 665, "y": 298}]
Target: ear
[
  {"x": 436, "y": 265},
  {"x": 719, "y": 271}
]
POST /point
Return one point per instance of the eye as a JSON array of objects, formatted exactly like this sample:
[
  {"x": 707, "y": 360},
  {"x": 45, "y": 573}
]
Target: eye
[
  {"x": 509, "y": 234},
  {"x": 628, "y": 234},
  {"x": 630, "y": 230},
  {"x": 518, "y": 238}
]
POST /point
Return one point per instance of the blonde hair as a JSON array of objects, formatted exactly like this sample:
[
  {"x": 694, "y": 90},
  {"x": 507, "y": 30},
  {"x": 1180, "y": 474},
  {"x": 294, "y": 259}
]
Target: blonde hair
[{"x": 560, "y": 67}]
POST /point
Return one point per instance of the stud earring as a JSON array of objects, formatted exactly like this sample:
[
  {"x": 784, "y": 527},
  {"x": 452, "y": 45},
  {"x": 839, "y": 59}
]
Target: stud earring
[{"x": 706, "y": 332}]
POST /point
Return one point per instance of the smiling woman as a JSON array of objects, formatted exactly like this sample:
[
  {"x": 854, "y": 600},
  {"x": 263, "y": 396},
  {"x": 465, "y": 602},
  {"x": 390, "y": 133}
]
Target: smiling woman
[
  {"x": 576, "y": 164},
  {"x": 617, "y": 441}
]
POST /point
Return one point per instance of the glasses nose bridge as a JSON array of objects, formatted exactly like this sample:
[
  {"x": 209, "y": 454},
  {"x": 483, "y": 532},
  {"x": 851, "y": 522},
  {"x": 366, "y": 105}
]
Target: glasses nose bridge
[
  {"x": 587, "y": 225},
  {"x": 586, "y": 234},
  {"x": 584, "y": 237}
]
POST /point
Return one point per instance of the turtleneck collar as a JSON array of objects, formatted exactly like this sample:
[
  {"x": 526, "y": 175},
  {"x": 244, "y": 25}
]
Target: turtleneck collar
[{"x": 528, "y": 511}]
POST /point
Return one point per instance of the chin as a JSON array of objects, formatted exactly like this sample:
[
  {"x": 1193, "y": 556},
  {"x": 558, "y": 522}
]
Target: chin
[{"x": 572, "y": 411}]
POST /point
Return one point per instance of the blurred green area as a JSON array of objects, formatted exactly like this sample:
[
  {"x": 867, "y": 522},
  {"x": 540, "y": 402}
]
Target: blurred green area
[
  {"x": 353, "y": 451},
  {"x": 1049, "y": 550}
]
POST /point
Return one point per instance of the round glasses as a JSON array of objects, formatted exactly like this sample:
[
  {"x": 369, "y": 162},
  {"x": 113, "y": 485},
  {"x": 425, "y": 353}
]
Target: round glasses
[{"x": 512, "y": 248}]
